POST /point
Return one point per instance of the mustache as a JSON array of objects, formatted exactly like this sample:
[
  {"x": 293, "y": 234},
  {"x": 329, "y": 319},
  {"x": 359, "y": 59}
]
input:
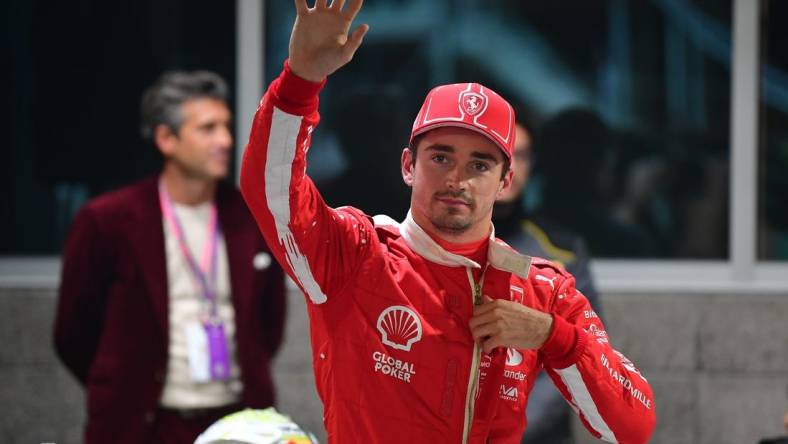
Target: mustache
[{"x": 459, "y": 195}]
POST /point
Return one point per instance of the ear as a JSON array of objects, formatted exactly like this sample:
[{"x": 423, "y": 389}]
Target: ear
[
  {"x": 165, "y": 139},
  {"x": 407, "y": 167},
  {"x": 504, "y": 184}
]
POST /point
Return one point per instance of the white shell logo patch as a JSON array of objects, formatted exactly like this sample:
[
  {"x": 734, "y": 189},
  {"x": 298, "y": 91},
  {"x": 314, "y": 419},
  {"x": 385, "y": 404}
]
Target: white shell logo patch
[{"x": 399, "y": 327}]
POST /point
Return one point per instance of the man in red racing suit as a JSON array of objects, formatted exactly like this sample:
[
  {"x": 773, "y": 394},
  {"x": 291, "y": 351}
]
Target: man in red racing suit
[{"x": 430, "y": 330}]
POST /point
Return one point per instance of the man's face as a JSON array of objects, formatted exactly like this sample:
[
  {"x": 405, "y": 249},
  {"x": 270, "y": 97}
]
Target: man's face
[
  {"x": 521, "y": 165},
  {"x": 455, "y": 181},
  {"x": 201, "y": 149}
]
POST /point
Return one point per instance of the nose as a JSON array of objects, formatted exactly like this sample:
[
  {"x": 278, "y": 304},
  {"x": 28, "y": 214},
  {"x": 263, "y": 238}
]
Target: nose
[
  {"x": 455, "y": 180},
  {"x": 225, "y": 137}
]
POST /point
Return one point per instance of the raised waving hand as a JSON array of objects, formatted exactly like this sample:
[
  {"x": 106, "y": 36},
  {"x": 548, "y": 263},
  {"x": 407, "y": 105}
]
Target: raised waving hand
[{"x": 321, "y": 41}]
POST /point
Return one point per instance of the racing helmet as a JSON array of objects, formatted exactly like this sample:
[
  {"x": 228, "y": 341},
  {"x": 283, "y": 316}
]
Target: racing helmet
[{"x": 252, "y": 426}]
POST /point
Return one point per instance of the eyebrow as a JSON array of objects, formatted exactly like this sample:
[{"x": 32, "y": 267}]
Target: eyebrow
[
  {"x": 213, "y": 122},
  {"x": 450, "y": 149}
]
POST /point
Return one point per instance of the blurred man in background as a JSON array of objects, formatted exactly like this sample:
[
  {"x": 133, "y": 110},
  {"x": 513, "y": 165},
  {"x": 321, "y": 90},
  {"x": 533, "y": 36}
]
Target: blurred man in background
[
  {"x": 548, "y": 414},
  {"x": 582, "y": 194},
  {"x": 170, "y": 307}
]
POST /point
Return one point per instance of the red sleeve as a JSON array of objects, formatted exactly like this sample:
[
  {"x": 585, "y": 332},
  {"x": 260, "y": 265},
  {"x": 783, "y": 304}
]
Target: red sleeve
[
  {"x": 82, "y": 295},
  {"x": 614, "y": 401},
  {"x": 319, "y": 247}
]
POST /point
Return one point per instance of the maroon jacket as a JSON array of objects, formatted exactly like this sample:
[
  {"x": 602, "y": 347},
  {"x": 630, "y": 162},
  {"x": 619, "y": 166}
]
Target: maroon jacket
[{"x": 111, "y": 329}]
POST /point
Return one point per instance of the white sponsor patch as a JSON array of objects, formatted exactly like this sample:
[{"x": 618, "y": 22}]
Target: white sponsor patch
[
  {"x": 389, "y": 366},
  {"x": 539, "y": 277},
  {"x": 516, "y": 293},
  {"x": 508, "y": 393},
  {"x": 601, "y": 335},
  {"x": 626, "y": 382},
  {"x": 399, "y": 327},
  {"x": 513, "y": 357}
]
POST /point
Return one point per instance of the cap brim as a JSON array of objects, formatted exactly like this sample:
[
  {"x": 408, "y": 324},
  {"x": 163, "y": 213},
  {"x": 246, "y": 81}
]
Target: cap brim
[{"x": 456, "y": 124}]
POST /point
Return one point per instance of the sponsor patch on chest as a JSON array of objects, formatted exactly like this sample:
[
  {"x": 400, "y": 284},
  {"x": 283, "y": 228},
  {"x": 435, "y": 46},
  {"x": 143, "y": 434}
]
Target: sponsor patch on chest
[
  {"x": 508, "y": 393},
  {"x": 395, "y": 368}
]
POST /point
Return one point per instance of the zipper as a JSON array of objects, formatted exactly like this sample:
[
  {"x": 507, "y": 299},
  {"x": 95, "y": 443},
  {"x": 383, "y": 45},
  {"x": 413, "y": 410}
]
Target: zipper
[{"x": 473, "y": 380}]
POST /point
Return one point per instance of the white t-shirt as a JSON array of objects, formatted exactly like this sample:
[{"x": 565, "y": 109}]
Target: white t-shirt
[{"x": 186, "y": 305}]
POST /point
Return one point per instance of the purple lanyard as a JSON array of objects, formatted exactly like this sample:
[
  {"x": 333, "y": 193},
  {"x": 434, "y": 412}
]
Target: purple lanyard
[{"x": 205, "y": 273}]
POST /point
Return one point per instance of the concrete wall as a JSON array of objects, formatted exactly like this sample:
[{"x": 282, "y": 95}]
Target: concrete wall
[
  {"x": 39, "y": 400},
  {"x": 718, "y": 365}
]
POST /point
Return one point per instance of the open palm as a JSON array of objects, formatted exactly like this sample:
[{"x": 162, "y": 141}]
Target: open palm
[{"x": 320, "y": 43}]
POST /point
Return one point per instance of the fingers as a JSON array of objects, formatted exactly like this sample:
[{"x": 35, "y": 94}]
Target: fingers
[
  {"x": 354, "y": 41},
  {"x": 491, "y": 344},
  {"x": 337, "y": 4},
  {"x": 488, "y": 336},
  {"x": 493, "y": 334},
  {"x": 483, "y": 318},
  {"x": 352, "y": 9},
  {"x": 485, "y": 330},
  {"x": 488, "y": 305},
  {"x": 301, "y": 6},
  {"x": 483, "y": 308},
  {"x": 490, "y": 311}
]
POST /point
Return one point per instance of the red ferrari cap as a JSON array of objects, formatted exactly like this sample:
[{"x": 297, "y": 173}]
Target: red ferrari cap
[{"x": 471, "y": 106}]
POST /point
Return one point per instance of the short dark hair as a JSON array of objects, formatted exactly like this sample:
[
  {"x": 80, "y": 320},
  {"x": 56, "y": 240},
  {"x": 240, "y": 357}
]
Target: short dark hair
[
  {"x": 161, "y": 102},
  {"x": 413, "y": 145}
]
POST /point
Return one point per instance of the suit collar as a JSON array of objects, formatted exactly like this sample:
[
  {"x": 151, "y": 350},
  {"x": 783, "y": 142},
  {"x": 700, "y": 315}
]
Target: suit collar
[
  {"x": 147, "y": 231},
  {"x": 499, "y": 255},
  {"x": 231, "y": 220}
]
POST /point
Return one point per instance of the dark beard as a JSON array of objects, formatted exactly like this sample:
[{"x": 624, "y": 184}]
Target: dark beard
[{"x": 448, "y": 224}]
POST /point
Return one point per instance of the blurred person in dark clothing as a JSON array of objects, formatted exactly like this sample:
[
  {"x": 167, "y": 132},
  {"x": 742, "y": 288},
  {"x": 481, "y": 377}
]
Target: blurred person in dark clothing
[
  {"x": 534, "y": 233},
  {"x": 547, "y": 413},
  {"x": 170, "y": 306},
  {"x": 370, "y": 132},
  {"x": 585, "y": 185}
]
